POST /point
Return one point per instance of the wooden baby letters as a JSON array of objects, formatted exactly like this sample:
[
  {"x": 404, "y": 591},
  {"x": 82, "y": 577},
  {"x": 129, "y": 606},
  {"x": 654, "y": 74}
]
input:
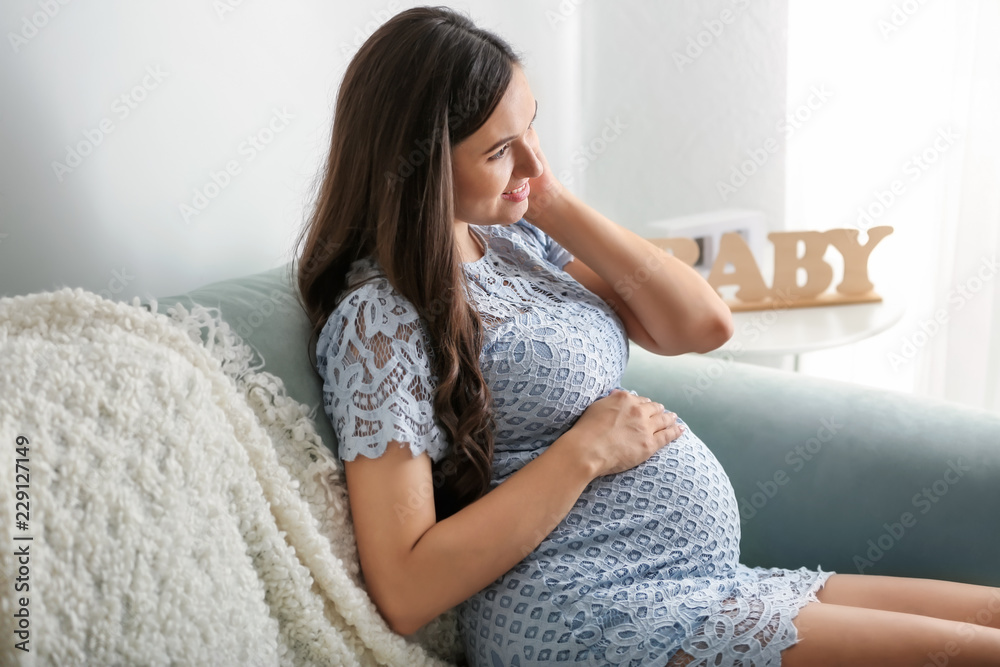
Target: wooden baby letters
[{"x": 753, "y": 292}]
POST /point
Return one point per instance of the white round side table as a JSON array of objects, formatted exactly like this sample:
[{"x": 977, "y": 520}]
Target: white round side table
[{"x": 778, "y": 336}]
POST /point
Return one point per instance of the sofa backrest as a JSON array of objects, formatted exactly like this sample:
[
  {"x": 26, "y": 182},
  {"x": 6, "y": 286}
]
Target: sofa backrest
[{"x": 264, "y": 311}]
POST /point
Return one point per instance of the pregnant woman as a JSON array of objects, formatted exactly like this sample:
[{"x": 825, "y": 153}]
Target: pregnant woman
[{"x": 472, "y": 348}]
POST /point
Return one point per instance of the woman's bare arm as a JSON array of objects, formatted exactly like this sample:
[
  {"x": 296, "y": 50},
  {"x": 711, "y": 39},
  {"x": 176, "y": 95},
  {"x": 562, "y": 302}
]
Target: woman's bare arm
[
  {"x": 414, "y": 568},
  {"x": 666, "y": 306}
]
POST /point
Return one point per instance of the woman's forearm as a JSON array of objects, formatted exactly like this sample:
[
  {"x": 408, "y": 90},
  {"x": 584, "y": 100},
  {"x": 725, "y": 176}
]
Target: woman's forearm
[
  {"x": 672, "y": 301},
  {"x": 463, "y": 554}
]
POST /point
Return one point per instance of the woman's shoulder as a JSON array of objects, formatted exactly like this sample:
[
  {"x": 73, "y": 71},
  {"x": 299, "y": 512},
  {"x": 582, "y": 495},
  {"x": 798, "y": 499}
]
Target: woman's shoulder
[
  {"x": 367, "y": 282},
  {"x": 521, "y": 232},
  {"x": 528, "y": 243},
  {"x": 370, "y": 301},
  {"x": 365, "y": 279},
  {"x": 528, "y": 231}
]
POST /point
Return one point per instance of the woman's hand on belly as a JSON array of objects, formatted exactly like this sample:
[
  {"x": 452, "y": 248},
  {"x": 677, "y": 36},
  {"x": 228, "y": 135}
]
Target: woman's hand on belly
[{"x": 620, "y": 431}]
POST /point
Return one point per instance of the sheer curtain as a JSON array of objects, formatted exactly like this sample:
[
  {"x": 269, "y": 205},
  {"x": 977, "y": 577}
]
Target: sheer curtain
[
  {"x": 964, "y": 364},
  {"x": 915, "y": 100}
]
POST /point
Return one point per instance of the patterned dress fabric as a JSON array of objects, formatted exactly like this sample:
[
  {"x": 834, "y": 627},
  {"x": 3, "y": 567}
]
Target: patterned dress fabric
[{"x": 644, "y": 570}]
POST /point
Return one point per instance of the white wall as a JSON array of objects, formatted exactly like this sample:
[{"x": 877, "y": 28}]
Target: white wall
[
  {"x": 113, "y": 224},
  {"x": 699, "y": 84},
  {"x": 895, "y": 116}
]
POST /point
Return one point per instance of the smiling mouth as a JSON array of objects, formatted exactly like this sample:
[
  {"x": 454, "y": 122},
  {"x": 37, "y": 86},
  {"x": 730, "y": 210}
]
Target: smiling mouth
[{"x": 517, "y": 190}]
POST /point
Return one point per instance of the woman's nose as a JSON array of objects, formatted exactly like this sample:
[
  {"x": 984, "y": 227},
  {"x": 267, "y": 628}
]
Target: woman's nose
[{"x": 531, "y": 165}]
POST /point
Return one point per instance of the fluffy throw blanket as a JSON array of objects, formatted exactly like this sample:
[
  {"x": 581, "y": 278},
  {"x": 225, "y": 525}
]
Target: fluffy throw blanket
[{"x": 164, "y": 502}]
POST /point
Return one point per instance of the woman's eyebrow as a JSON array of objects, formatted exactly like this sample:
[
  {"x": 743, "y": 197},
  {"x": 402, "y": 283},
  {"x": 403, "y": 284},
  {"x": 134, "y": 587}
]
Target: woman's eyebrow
[{"x": 505, "y": 140}]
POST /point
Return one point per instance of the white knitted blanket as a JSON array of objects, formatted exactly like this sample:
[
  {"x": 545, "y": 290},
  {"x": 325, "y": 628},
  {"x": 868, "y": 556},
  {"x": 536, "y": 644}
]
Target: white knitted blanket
[{"x": 164, "y": 502}]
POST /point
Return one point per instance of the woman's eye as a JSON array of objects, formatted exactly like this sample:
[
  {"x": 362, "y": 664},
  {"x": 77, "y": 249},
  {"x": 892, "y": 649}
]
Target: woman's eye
[{"x": 503, "y": 151}]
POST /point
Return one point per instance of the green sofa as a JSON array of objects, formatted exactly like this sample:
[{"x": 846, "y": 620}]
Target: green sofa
[{"x": 827, "y": 473}]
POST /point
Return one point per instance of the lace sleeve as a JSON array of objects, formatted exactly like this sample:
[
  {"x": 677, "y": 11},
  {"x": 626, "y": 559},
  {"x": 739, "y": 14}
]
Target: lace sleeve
[
  {"x": 548, "y": 249},
  {"x": 377, "y": 380}
]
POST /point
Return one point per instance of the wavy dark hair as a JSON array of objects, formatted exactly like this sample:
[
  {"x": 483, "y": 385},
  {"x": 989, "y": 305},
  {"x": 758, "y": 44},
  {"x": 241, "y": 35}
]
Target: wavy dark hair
[{"x": 421, "y": 83}]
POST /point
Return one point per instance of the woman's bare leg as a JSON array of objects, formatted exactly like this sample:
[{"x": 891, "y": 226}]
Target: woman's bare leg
[
  {"x": 951, "y": 600},
  {"x": 838, "y": 635}
]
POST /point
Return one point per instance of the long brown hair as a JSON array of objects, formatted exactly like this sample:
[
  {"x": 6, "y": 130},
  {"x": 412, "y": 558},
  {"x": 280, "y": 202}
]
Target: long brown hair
[{"x": 424, "y": 81}]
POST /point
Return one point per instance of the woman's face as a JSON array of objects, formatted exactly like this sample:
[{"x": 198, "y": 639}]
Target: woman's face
[{"x": 497, "y": 158}]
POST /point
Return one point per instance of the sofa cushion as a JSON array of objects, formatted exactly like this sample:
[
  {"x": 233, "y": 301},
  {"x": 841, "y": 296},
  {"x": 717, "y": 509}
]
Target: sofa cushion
[{"x": 263, "y": 310}]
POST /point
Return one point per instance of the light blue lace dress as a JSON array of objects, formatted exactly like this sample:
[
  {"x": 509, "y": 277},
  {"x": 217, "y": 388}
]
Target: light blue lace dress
[{"x": 645, "y": 569}]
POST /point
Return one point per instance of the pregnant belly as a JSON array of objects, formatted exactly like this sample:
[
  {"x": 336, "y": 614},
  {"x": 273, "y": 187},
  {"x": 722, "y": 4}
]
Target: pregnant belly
[
  {"x": 641, "y": 555},
  {"x": 674, "y": 516}
]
